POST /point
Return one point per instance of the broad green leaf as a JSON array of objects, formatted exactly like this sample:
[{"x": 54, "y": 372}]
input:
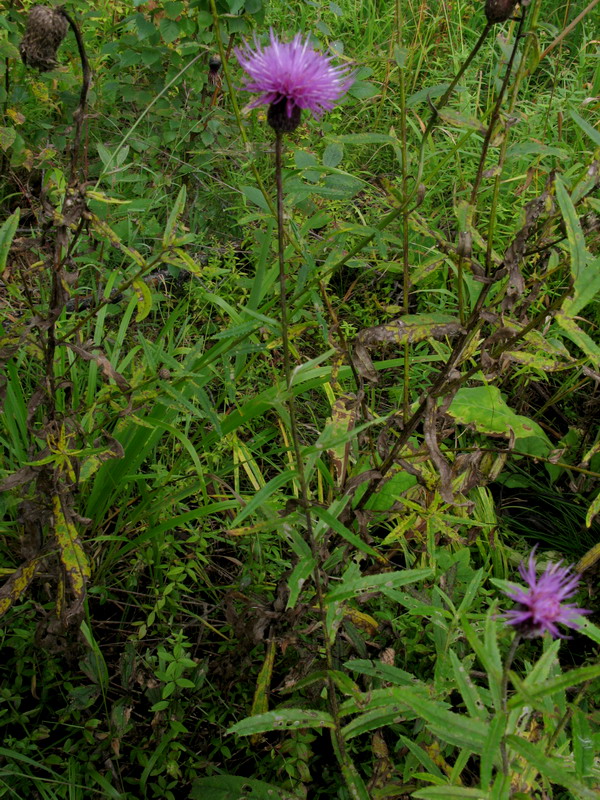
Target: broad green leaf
[
  {"x": 144, "y": 299},
  {"x": 7, "y": 138},
  {"x": 255, "y": 196},
  {"x": 575, "y": 236},
  {"x": 388, "y": 494},
  {"x": 7, "y": 232},
  {"x": 333, "y": 155},
  {"x": 362, "y": 90},
  {"x": 283, "y": 719},
  {"x": 169, "y": 30},
  {"x": 8, "y": 50},
  {"x": 72, "y": 554},
  {"x": 344, "y": 683},
  {"x": 170, "y": 233},
  {"x": 552, "y": 768},
  {"x": 230, "y": 787},
  {"x": 485, "y": 409}
]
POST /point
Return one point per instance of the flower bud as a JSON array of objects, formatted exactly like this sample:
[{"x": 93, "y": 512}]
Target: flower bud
[
  {"x": 499, "y": 10},
  {"x": 280, "y": 120}
]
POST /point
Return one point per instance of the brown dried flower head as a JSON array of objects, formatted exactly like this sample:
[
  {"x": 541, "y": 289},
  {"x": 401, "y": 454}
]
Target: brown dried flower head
[
  {"x": 499, "y": 10},
  {"x": 214, "y": 66},
  {"x": 46, "y": 28}
]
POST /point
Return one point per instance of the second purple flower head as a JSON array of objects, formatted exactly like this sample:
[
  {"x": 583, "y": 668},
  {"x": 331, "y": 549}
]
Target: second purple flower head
[
  {"x": 290, "y": 76},
  {"x": 540, "y": 607}
]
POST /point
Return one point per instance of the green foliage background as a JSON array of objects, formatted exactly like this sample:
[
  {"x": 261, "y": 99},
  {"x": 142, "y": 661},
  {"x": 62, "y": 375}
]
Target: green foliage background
[{"x": 162, "y": 633}]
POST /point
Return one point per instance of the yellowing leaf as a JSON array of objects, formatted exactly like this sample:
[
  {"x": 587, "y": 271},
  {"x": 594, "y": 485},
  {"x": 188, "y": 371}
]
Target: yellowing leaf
[
  {"x": 72, "y": 554},
  {"x": 15, "y": 586},
  {"x": 144, "y": 298}
]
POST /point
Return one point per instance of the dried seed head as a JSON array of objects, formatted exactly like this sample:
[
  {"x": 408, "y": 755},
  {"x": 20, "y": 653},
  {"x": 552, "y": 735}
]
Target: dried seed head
[
  {"x": 499, "y": 10},
  {"x": 46, "y": 28},
  {"x": 214, "y": 65}
]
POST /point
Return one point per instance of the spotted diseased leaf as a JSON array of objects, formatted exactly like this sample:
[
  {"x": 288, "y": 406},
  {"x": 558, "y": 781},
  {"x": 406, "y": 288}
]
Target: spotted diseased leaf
[
  {"x": 343, "y": 417},
  {"x": 7, "y": 137},
  {"x": 411, "y": 328},
  {"x": 16, "y": 584},
  {"x": 72, "y": 554},
  {"x": 144, "y": 299}
]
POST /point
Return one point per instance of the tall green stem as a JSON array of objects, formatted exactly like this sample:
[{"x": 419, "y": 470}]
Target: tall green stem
[{"x": 339, "y": 744}]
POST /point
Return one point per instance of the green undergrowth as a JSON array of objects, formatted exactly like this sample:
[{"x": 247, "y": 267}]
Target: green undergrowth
[{"x": 172, "y": 626}]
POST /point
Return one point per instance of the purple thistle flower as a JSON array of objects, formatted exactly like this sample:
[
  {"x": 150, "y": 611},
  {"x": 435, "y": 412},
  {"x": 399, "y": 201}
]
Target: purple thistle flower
[
  {"x": 540, "y": 606},
  {"x": 291, "y": 76}
]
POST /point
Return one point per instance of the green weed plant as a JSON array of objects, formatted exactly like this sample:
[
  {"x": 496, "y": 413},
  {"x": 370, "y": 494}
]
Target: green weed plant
[{"x": 242, "y": 561}]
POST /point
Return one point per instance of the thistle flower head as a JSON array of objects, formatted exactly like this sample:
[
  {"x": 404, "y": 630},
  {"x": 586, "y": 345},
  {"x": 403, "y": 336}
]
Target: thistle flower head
[
  {"x": 291, "y": 76},
  {"x": 540, "y": 605}
]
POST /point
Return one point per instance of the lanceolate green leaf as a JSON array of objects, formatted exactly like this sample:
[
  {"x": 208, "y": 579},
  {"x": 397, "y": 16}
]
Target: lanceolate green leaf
[
  {"x": 7, "y": 232},
  {"x": 467, "y": 688},
  {"x": 587, "y": 128},
  {"x": 231, "y": 787},
  {"x": 491, "y": 745},
  {"x": 284, "y": 719},
  {"x": 451, "y": 793},
  {"x": 170, "y": 233},
  {"x": 578, "y": 336},
  {"x": 367, "y": 583},
  {"x": 571, "y": 678},
  {"x": 552, "y": 768},
  {"x": 575, "y": 237}
]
